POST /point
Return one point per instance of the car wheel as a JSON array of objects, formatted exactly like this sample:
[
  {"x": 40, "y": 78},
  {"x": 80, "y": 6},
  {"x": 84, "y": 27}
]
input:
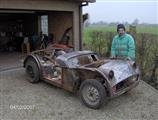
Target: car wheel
[
  {"x": 32, "y": 71},
  {"x": 93, "y": 93}
]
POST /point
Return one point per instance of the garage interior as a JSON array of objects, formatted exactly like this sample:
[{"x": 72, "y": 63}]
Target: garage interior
[{"x": 18, "y": 28}]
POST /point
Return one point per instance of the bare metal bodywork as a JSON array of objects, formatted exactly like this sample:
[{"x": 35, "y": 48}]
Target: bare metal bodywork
[{"x": 69, "y": 70}]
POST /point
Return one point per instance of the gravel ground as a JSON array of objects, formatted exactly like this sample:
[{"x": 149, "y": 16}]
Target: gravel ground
[{"x": 21, "y": 100}]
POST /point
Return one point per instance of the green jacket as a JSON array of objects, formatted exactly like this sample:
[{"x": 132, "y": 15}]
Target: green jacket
[{"x": 123, "y": 46}]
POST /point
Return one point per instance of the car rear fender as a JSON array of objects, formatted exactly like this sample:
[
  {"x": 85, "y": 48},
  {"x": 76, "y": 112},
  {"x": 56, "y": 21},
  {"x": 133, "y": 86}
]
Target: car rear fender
[{"x": 34, "y": 58}]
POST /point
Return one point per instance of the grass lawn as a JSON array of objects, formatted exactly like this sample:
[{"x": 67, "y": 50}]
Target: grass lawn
[{"x": 140, "y": 29}]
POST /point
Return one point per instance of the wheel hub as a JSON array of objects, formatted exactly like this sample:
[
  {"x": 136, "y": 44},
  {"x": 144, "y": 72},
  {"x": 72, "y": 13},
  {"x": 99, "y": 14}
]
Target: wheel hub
[
  {"x": 92, "y": 94},
  {"x": 30, "y": 71}
]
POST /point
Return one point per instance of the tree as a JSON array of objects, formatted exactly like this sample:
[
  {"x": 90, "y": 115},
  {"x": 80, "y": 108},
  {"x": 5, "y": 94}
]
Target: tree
[{"x": 135, "y": 22}]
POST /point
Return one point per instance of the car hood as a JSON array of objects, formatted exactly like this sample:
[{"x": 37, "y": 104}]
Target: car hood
[{"x": 122, "y": 70}]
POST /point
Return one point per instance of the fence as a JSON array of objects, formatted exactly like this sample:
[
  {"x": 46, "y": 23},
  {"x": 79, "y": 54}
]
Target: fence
[{"x": 146, "y": 52}]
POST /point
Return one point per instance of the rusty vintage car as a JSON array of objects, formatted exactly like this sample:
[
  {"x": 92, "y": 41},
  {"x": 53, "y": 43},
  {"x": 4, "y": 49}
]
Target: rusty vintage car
[{"x": 96, "y": 80}]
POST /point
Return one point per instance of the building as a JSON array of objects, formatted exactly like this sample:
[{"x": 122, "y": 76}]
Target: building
[{"x": 21, "y": 18}]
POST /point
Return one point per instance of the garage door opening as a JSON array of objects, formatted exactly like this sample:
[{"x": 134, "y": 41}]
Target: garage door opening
[
  {"x": 32, "y": 27},
  {"x": 13, "y": 29}
]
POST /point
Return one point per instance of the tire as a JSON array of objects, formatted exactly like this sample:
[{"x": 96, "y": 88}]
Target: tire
[
  {"x": 32, "y": 71},
  {"x": 93, "y": 94}
]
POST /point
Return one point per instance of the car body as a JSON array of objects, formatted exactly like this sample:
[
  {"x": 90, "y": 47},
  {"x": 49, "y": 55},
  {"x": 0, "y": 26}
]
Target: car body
[{"x": 96, "y": 79}]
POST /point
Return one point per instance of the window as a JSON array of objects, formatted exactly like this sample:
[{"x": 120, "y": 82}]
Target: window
[{"x": 44, "y": 24}]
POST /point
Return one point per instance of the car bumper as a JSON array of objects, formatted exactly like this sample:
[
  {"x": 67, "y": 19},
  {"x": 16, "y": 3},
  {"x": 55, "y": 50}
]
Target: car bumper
[{"x": 118, "y": 93}]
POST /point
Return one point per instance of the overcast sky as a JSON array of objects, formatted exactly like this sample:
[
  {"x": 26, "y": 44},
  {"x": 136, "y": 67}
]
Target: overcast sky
[{"x": 123, "y": 10}]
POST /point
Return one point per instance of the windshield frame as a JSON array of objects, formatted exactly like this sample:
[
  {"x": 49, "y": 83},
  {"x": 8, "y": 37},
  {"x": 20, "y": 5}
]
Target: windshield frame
[{"x": 92, "y": 57}]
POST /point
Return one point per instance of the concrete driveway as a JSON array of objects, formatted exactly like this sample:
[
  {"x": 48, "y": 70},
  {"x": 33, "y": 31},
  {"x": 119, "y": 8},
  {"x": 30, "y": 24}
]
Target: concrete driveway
[
  {"x": 11, "y": 60},
  {"x": 21, "y": 100}
]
